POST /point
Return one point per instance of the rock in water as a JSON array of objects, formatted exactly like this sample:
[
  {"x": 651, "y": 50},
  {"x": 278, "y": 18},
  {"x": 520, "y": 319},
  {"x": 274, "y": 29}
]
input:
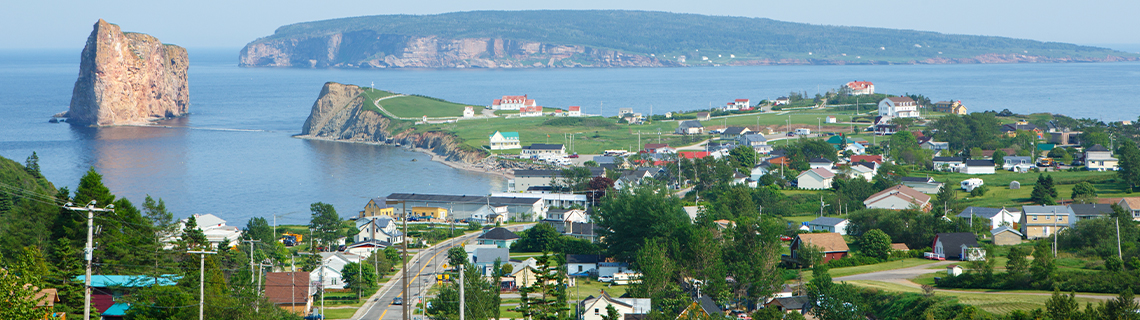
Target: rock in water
[{"x": 128, "y": 78}]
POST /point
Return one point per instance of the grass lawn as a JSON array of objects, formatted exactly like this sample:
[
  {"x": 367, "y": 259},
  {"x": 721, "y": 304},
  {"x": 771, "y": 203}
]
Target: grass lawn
[
  {"x": 1000, "y": 194},
  {"x": 998, "y": 303},
  {"x": 605, "y": 134},
  {"x": 339, "y": 313},
  {"x": 418, "y": 106},
  {"x": 588, "y": 288},
  {"x": 890, "y": 265}
]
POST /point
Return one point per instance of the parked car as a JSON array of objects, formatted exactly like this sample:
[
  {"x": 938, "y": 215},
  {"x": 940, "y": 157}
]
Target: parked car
[
  {"x": 606, "y": 278},
  {"x": 785, "y": 238},
  {"x": 398, "y": 301},
  {"x": 573, "y": 156}
]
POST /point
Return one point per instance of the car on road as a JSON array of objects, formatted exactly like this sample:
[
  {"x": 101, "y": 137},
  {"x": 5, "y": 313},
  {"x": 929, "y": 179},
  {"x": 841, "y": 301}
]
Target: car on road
[{"x": 398, "y": 301}]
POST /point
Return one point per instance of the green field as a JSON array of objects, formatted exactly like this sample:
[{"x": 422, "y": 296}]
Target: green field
[
  {"x": 588, "y": 140},
  {"x": 413, "y": 106},
  {"x": 890, "y": 265},
  {"x": 994, "y": 302},
  {"x": 1000, "y": 194}
]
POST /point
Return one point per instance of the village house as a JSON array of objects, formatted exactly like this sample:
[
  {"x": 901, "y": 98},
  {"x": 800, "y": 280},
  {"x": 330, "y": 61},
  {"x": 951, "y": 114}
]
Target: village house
[
  {"x": 524, "y": 179},
  {"x": 1006, "y": 236},
  {"x": 624, "y": 111},
  {"x": 951, "y": 245},
  {"x": 734, "y": 132},
  {"x": 214, "y": 227},
  {"x": 898, "y": 107},
  {"x": 500, "y": 237},
  {"x": 925, "y": 185},
  {"x": 544, "y": 149},
  {"x": 1011, "y": 129},
  {"x": 290, "y": 291},
  {"x": 575, "y": 111},
  {"x": 595, "y": 308},
  {"x": 756, "y": 141},
  {"x": 488, "y": 214},
  {"x": 952, "y": 107},
  {"x": 797, "y": 304},
  {"x": 877, "y": 159},
  {"x": 582, "y": 264},
  {"x": 860, "y": 88},
  {"x": 781, "y": 101},
  {"x": 831, "y": 244},
  {"x": 1064, "y": 137},
  {"x": 998, "y": 216},
  {"x": 821, "y": 163},
  {"x": 380, "y": 228},
  {"x": 530, "y": 111},
  {"x": 815, "y": 179},
  {"x": 703, "y": 116},
  {"x": 829, "y": 224},
  {"x": 659, "y": 148},
  {"x": 109, "y": 293},
  {"x": 468, "y": 112},
  {"x": 1084, "y": 211},
  {"x": 951, "y": 164},
  {"x": 505, "y": 141},
  {"x": 864, "y": 170},
  {"x": 376, "y": 207},
  {"x": 930, "y": 144},
  {"x": 331, "y": 275},
  {"x": 1132, "y": 205},
  {"x": 1099, "y": 158},
  {"x": 426, "y": 212},
  {"x": 1043, "y": 221},
  {"x": 512, "y": 103},
  {"x": 1016, "y": 163},
  {"x": 689, "y": 127},
  {"x": 829, "y": 119},
  {"x": 485, "y": 259},
  {"x": 899, "y": 198},
  {"x": 954, "y": 270}
]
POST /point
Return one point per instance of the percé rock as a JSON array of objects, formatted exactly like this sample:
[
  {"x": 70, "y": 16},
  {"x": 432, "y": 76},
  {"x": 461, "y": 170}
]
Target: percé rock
[
  {"x": 367, "y": 49},
  {"x": 339, "y": 114},
  {"x": 128, "y": 78}
]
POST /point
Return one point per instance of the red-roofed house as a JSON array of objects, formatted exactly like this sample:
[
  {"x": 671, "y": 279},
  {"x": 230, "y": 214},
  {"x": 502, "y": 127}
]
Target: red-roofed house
[
  {"x": 512, "y": 103},
  {"x": 898, "y": 198},
  {"x": 694, "y": 154},
  {"x": 739, "y": 104},
  {"x": 861, "y": 87},
  {"x": 575, "y": 111},
  {"x": 867, "y": 158},
  {"x": 659, "y": 148},
  {"x": 531, "y": 111}
]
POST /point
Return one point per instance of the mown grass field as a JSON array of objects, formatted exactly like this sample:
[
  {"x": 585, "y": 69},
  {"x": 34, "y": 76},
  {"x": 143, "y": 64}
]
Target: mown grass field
[
  {"x": 1000, "y": 194},
  {"x": 994, "y": 302},
  {"x": 414, "y": 106},
  {"x": 588, "y": 139},
  {"x": 890, "y": 265}
]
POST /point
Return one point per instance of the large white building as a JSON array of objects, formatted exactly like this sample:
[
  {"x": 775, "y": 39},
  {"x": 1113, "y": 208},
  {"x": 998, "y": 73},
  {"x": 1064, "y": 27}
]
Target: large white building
[
  {"x": 504, "y": 140},
  {"x": 212, "y": 226},
  {"x": 861, "y": 87},
  {"x": 512, "y": 103},
  {"x": 898, "y": 107}
]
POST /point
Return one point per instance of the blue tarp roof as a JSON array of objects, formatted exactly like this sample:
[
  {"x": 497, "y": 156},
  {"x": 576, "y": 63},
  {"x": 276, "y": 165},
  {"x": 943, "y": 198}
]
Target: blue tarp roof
[
  {"x": 117, "y": 310},
  {"x": 103, "y": 281}
]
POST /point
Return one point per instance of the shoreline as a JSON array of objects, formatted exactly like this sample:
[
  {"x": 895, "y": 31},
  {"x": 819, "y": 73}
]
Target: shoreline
[{"x": 434, "y": 157}]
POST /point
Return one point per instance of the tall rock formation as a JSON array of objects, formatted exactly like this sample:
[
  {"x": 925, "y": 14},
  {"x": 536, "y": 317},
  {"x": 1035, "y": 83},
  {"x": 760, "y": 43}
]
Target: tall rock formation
[{"x": 128, "y": 78}]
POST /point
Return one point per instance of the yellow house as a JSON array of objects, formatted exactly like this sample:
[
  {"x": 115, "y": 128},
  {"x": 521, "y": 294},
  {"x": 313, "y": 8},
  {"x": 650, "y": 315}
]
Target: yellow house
[
  {"x": 377, "y": 207},
  {"x": 433, "y": 212}
]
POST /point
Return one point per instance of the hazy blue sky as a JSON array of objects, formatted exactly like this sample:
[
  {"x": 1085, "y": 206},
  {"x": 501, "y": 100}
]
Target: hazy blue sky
[{"x": 233, "y": 23}]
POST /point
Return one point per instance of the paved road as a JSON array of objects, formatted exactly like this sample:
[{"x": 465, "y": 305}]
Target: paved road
[{"x": 425, "y": 265}]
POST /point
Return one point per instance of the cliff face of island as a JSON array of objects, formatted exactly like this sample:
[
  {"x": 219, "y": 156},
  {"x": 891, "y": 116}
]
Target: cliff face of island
[
  {"x": 368, "y": 49},
  {"x": 128, "y": 78},
  {"x": 339, "y": 114}
]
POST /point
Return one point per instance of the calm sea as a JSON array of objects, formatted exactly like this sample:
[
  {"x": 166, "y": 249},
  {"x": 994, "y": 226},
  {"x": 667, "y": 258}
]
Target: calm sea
[{"x": 237, "y": 160}]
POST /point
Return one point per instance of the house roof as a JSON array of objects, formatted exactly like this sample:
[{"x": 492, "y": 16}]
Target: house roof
[
  {"x": 820, "y": 160},
  {"x": 979, "y": 163},
  {"x": 651, "y": 146},
  {"x": 709, "y": 306},
  {"x": 543, "y": 146},
  {"x": 867, "y": 158},
  {"x": 900, "y": 99},
  {"x": 741, "y": 100},
  {"x": 583, "y": 258},
  {"x": 752, "y": 137},
  {"x": 917, "y": 179},
  {"x": 734, "y": 130},
  {"x": 827, "y": 221},
  {"x": 575, "y": 108},
  {"x": 691, "y": 123},
  {"x": 1133, "y": 202},
  {"x": 792, "y": 303},
  {"x": 1004, "y": 229},
  {"x": 859, "y": 85},
  {"x": 899, "y": 246},
  {"x": 830, "y": 242},
  {"x": 287, "y": 287},
  {"x": 1046, "y": 210},
  {"x": 116, "y": 310},
  {"x": 499, "y": 234},
  {"x": 511, "y": 134},
  {"x": 490, "y": 255},
  {"x": 1097, "y": 148},
  {"x": 980, "y": 212},
  {"x": 952, "y": 242},
  {"x": 1091, "y": 209},
  {"x": 902, "y": 191},
  {"x": 947, "y": 159},
  {"x": 821, "y": 172},
  {"x": 104, "y": 281},
  {"x": 694, "y": 154}
]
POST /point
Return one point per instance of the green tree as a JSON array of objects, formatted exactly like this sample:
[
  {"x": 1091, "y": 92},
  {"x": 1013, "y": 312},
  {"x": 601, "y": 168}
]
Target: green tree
[
  {"x": 1041, "y": 194},
  {"x": 1084, "y": 192},
  {"x": 258, "y": 228},
  {"x": 325, "y": 223},
  {"x": 546, "y": 298},
  {"x": 1129, "y": 163},
  {"x": 810, "y": 255},
  {"x": 74, "y": 226},
  {"x": 1090, "y": 139},
  {"x": 17, "y": 299},
  {"x": 480, "y": 295},
  {"x": 743, "y": 157},
  {"x": 1123, "y": 307},
  {"x": 999, "y": 157},
  {"x": 947, "y": 197},
  {"x": 832, "y": 301},
  {"x": 192, "y": 235},
  {"x": 611, "y": 313},
  {"x": 540, "y": 238},
  {"x": 456, "y": 256},
  {"x": 358, "y": 277},
  {"x": 32, "y": 165},
  {"x": 876, "y": 244},
  {"x": 1018, "y": 265},
  {"x": 631, "y": 217},
  {"x": 902, "y": 141},
  {"x": 1043, "y": 266}
]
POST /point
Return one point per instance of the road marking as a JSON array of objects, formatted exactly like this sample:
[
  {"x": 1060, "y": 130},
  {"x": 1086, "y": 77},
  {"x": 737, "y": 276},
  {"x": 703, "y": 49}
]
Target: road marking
[{"x": 382, "y": 314}]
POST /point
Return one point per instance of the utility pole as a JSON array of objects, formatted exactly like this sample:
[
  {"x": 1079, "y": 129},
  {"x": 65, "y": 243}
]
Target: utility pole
[
  {"x": 88, "y": 251},
  {"x": 822, "y": 205},
  {"x": 251, "y": 241},
  {"x": 201, "y": 281},
  {"x": 1054, "y": 232},
  {"x": 462, "y": 294},
  {"x": 404, "y": 305},
  {"x": 1118, "y": 252}
]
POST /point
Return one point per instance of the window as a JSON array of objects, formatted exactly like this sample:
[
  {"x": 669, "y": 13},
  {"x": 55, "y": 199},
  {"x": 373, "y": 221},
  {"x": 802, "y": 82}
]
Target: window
[
  {"x": 1034, "y": 218},
  {"x": 579, "y": 268}
]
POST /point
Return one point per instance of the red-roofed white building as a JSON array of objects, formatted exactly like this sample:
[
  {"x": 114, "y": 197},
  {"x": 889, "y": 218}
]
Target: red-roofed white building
[
  {"x": 738, "y": 104},
  {"x": 512, "y": 103},
  {"x": 575, "y": 111},
  {"x": 861, "y": 87},
  {"x": 530, "y": 111}
]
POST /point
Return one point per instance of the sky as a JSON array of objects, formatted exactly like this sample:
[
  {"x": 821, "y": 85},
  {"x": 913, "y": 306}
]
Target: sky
[{"x": 233, "y": 23}]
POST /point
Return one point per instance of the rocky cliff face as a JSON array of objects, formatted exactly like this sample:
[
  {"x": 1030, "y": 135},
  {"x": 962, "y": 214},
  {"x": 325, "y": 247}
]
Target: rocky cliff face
[
  {"x": 339, "y": 114},
  {"x": 128, "y": 78},
  {"x": 368, "y": 49}
]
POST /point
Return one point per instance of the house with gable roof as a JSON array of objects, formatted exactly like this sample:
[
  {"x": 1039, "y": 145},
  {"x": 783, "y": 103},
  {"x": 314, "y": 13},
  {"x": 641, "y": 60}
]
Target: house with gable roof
[
  {"x": 998, "y": 216},
  {"x": 859, "y": 88},
  {"x": 899, "y": 198},
  {"x": 816, "y": 179},
  {"x": 829, "y": 224},
  {"x": 689, "y": 127},
  {"x": 1043, "y": 221},
  {"x": 500, "y": 237},
  {"x": 831, "y": 244},
  {"x": 381, "y": 229},
  {"x": 1005, "y": 236},
  {"x": 1099, "y": 158},
  {"x": 214, "y": 227},
  {"x": 898, "y": 107},
  {"x": 290, "y": 291},
  {"x": 953, "y": 245},
  {"x": 505, "y": 140},
  {"x": 734, "y": 132},
  {"x": 1132, "y": 205},
  {"x": 575, "y": 111},
  {"x": 512, "y": 103}
]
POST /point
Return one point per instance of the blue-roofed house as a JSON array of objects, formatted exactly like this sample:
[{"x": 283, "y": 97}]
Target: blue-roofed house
[
  {"x": 829, "y": 224},
  {"x": 107, "y": 291}
]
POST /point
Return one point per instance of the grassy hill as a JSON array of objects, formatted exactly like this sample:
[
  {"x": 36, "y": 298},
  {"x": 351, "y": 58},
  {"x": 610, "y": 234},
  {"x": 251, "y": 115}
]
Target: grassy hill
[
  {"x": 673, "y": 34},
  {"x": 413, "y": 106}
]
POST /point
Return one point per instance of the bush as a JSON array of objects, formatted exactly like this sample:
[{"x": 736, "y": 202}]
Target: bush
[{"x": 852, "y": 261}]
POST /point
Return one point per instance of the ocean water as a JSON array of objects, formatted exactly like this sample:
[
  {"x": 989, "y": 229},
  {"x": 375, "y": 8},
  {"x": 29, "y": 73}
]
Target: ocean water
[{"x": 234, "y": 156}]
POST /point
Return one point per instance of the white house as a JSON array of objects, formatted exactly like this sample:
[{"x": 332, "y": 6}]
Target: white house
[
  {"x": 214, "y": 227},
  {"x": 954, "y": 270},
  {"x": 863, "y": 170},
  {"x": 781, "y": 101},
  {"x": 1014, "y": 163},
  {"x": 505, "y": 140},
  {"x": 950, "y": 245},
  {"x": 898, "y": 107},
  {"x": 998, "y": 216},
  {"x": 582, "y": 263},
  {"x": 859, "y": 88},
  {"x": 512, "y": 103},
  {"x": 489, "y": 214},
  {"x": 608, "y": 269},
  {"x": 575, "y": 111},
  {"x": 540, "y": 149},
  {"x": 530, "y": 111},
  {"x": 1099, "y": 158},
  {"x": 330, "y": 275},
  {"x": 829, "y": 224},
  {"x": 821, "y": 163},
  {"x": 951, "y": 164},
  {"x": 378, "y": 228},
  {"x": 596, "y": 308},
  {"x": 817, "y": 179},
  {"x": 690, "y": 127},
  {"x": 742, "y": 104},
  {"x": 830, "y": 119},
  {"x": 468, "y": 112},
  {"x": 979, "y": 167},
  {"x": 624, "y": 111},
  {"x": 899, "y": 197}
]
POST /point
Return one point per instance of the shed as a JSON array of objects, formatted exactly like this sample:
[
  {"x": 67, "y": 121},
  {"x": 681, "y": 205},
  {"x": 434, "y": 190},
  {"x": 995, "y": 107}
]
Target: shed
[
  {"x": 1004, "y": 236},
  {"x": 954, "y": 270},
  {"x": 1013, "y": 185}
]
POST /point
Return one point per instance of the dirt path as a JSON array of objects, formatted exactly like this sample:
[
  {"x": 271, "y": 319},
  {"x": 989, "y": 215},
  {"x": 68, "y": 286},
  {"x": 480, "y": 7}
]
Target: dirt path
[{"x": 903, "y": 276}]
